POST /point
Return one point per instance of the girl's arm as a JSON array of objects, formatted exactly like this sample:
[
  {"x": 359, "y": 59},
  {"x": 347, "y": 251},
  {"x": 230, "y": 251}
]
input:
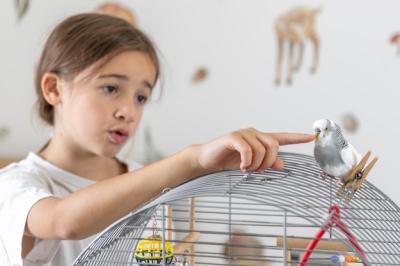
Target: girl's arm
[{"x": 90, "y": 210}]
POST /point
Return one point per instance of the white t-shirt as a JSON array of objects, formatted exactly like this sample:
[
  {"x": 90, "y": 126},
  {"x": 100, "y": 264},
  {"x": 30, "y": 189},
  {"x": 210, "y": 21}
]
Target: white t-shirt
[{"x": 22, "y": 184}]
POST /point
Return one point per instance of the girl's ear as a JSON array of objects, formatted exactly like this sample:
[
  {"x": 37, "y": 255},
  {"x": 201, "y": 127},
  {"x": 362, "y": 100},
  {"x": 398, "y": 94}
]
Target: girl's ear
[{"x": 51, "y": 88}]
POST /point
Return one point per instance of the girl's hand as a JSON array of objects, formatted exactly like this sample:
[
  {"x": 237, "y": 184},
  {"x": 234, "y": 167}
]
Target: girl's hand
[{"x": 247, "y": 149}]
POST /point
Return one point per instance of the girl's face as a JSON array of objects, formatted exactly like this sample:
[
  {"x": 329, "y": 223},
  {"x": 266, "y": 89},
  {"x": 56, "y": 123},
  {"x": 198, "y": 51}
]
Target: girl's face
[{"x": 100, "y": 111}]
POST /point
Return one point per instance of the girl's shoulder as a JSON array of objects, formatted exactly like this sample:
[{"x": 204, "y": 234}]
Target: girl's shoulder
[
  {"x": 22, "y": 184},
  {"x": 26, "y": 170}
]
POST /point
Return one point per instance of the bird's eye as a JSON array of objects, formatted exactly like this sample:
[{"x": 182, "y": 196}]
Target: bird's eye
[{"x": 326, "y": 128}]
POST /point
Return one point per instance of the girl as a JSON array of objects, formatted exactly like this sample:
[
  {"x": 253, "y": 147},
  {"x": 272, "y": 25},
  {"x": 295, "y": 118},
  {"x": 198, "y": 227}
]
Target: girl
[{"x": 93, "y": 79}]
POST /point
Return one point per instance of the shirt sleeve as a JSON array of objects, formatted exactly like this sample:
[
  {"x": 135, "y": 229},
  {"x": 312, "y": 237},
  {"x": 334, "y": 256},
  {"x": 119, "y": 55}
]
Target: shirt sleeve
[{"x": 19, "y": 191}]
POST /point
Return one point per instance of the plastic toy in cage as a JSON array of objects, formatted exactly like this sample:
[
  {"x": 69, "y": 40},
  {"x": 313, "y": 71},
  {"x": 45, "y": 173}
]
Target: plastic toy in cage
[
  {"x": 150, "y": 251},
  {"x": 154, "y": 250}
]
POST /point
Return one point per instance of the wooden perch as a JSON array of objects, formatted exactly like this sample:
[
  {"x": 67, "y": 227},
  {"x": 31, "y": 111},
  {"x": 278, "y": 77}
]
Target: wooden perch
[
  {"x": 186, "y": 244},
  {"x": 302, "y": 243},
  {"x": 329, "y": 245}
]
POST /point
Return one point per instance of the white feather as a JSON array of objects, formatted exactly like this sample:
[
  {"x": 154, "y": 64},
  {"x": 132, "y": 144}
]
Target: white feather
[{"x": 350, "y": 156}]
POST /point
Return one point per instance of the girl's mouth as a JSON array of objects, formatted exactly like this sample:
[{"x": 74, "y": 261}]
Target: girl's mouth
[{"x": 118, "y": 136}]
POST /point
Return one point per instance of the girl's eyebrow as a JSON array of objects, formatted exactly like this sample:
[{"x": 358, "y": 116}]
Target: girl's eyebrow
[
  {"x": 125, "y": 78},
  {"x": 118, "y": 76},
  {"x": 148, "y": 85}
]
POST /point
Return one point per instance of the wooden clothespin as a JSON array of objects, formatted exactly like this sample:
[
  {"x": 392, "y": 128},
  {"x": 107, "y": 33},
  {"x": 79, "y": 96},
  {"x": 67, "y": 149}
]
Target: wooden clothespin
[{"x": 356, "y": 178}]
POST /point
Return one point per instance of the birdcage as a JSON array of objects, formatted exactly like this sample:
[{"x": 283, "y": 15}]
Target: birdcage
[{"x": 268, "y": 218}]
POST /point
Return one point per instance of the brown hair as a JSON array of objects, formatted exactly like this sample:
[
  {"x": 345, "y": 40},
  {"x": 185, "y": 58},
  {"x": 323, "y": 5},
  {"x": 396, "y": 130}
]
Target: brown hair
[{"x": 82, "y": 40}]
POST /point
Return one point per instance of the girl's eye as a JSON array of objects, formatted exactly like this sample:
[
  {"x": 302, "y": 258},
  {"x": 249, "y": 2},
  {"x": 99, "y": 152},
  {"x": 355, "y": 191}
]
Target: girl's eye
[
  {"x": 110, "y": 89},
  {"x": 142, "y": 99}
]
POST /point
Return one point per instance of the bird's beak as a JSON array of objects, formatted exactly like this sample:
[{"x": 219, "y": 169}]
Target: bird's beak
[{"x": 317, "y": 135}]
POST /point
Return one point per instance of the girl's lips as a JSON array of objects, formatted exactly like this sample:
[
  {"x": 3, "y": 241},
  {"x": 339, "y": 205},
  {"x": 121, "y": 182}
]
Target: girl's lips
[{"x": 118, "y": 137}]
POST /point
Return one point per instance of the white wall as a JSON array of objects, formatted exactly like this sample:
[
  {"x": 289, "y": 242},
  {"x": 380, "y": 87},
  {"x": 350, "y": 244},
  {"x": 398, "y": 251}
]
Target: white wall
[{"x": 359, "y": 73}]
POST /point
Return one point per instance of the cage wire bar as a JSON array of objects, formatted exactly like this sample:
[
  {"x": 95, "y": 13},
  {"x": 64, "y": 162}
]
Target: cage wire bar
[{"x": 270, "y": 208}]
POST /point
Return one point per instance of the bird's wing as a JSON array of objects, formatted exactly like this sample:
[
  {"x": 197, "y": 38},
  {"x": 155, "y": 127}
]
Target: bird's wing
[
  {"x": 350, "y": 156},
  {"x": 339, "y": 140}
]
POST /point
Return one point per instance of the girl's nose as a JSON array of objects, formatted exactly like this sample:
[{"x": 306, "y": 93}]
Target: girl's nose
[{"x": 125, "y": 112}]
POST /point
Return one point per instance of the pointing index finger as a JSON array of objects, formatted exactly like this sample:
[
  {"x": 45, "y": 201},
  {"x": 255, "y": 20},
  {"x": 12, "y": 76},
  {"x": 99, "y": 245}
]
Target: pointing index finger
[{"x": 285, "y": 138}]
